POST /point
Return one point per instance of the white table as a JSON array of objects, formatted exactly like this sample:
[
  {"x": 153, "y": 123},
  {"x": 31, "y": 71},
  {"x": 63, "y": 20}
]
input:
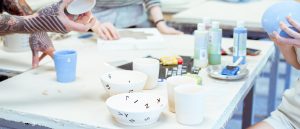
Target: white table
[
  {"x": 35, "y": 97},
  {"x": 227, "y": 13}
]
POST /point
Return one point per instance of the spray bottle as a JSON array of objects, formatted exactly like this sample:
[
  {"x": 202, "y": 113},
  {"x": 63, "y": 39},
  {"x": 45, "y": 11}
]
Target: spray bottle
[
  {"x": 200, "y": 49},
  {"x": 214, "y": 46},
  {"x": 240, "y": 40}
]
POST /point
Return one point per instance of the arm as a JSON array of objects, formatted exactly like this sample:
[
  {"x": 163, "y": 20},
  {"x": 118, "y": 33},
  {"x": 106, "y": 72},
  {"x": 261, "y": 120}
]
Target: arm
[
  {"x": 30, "y": 24},
  {"x": 156, "y": 15},
  {"x": 16, "y": 7}
]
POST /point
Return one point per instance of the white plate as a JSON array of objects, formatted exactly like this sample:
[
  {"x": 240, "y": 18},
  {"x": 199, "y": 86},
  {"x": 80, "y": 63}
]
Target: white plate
[
  {"x": 215, "y": 72},
  {"x": 81, "y": 6}
]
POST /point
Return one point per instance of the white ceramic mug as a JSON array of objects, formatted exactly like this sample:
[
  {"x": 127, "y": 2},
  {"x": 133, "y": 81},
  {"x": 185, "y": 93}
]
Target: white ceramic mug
[
  {"x": 173, "y": 82},
  {"x": 151, "y": 68},
  {"x": 16, "y": 42},
  {"x": 189, "y": 103}
]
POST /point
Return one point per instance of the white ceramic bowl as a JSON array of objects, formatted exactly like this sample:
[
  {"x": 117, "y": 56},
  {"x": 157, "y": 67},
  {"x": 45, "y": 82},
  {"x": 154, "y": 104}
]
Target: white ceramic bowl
[
  {"x": 123, "y": 81},
  {"x": 81, "y": 6},
  {"x": 136, "y": 109},
  {"x": 16, "y": 43}
]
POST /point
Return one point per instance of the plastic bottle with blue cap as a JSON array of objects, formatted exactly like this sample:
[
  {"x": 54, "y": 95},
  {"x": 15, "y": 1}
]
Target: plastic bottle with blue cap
[{"x": 240, "y": 42}]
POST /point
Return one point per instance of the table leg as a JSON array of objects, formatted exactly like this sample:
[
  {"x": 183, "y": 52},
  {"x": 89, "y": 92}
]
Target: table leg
[
  {"x": 273, "y": 82},
  {"x": 248, "y": 109}
]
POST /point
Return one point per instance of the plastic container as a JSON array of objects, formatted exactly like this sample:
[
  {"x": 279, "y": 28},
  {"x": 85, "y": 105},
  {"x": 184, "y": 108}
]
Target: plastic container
[
  {"x": 201, "y": 45},
  {"x": 214, "y": 46},
  {"x": 65, "y": 65},
  {"x": 240, "y": 42}
]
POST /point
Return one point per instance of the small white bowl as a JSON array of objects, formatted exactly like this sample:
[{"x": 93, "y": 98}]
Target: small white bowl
[
  {"x": 81, "y": 6},
  {"x": 136, "y": 109},
  {"x": 123, "y": 81}
]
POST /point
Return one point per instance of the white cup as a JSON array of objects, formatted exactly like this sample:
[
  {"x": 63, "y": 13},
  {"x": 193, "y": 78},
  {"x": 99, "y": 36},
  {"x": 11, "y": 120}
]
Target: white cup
[
  {"x": 151, "y": 68},
  {"x": 16, "y": 43},
  {"x": 173, "y": 82},
  {"x": 189, "y": 103}
]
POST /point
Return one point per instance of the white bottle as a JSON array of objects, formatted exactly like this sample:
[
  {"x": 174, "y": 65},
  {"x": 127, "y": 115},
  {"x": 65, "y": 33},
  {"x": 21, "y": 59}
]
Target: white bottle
[
  {"x": 200, "y": 48},
  {"x": 214, "y": 46}
]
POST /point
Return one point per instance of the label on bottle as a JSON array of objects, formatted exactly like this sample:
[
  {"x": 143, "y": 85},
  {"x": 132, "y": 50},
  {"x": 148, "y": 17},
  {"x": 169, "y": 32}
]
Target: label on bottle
[{"x": 240, "y": 48}]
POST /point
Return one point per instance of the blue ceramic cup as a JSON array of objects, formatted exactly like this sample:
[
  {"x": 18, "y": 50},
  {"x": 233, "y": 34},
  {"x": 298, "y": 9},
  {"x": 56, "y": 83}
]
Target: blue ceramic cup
[
  {"x": 65, "y": 65},
  {"x": 277, "y": 13}
]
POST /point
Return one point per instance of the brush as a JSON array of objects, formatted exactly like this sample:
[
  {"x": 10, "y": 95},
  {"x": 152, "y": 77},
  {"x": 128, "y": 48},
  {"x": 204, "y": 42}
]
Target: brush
[{"x": 232, "y": 70}]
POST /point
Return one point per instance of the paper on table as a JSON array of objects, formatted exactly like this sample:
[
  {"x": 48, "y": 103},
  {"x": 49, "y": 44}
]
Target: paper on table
[{"x": 138, "y": 38}]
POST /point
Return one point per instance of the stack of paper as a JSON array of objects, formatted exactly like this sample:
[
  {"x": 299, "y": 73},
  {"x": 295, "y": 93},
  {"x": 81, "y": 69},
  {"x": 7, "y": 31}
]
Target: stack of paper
[{"x": 133, "y": 39}]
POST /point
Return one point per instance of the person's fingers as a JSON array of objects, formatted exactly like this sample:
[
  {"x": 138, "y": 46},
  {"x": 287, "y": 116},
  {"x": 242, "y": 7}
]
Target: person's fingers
[
  {"x": 113, "y": 31},
  {"x": 107, "y": 33},
  {"x": 101, "y": 34},
  {"x": 81, "y": 27},
  {"x": 287, "y": 41},
  {"x": 42, "y": 56},
  {"x": 35, "y": 60},
  {"x": 289, "y": 31},
  {"x": 293, "y": 23},
  {"x": 49, "y": 51}
]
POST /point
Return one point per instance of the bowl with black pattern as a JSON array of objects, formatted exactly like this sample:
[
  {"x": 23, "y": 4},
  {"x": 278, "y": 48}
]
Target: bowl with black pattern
[
  {"x": 123, "y": 81},
  {"x": 136, "y": 109}
]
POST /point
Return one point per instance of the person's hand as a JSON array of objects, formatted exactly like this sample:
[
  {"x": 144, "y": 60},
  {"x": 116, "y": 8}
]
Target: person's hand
[
  {"x": 40, "y": 42},
  {"x": 294, "y": 41},
  {"x": 165, "y": 29},
  {"x": 83, "y": 23},
  {"x": 106, "y": 31}
]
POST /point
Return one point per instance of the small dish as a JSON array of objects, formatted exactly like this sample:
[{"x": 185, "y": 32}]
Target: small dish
[
  {"x": 123, "y": 81},
  {"x": 136, "y": 109},
  {"x": 81, "y": 6},
  {"x": 215, "y": 72}
]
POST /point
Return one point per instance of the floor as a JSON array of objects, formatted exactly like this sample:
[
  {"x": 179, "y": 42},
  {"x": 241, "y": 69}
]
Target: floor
[{"x": 261, "y": 96}]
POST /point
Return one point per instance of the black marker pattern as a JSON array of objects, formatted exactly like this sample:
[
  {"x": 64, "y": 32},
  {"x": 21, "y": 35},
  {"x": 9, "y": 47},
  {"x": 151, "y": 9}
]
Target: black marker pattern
[
  {"x": 132, "y": 120},
  {"x": 147, "y": 106},
  {"x": 126, "y": 115},
  {"x": 108, "y": 87},
  {"x": 120, "y": 114},
  {"x": 136, "y": 101},
  {"x": 158, "y": 100},
  {"x": 127, "y": 97},
  {"x": 130, "y": 91},
  {"x": 146, "y": 119}
]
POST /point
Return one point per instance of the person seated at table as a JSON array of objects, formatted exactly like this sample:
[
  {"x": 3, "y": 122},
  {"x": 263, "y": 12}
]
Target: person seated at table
[
  {"x": 48, "y": 19},
  {"x": 128, "y": 14},
  {"x": 287, "y": 115}
]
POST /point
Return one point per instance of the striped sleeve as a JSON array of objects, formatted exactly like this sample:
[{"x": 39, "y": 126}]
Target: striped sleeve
[
  {"x": 152, "y": 3},
  {"x": 45, "y": 24}
]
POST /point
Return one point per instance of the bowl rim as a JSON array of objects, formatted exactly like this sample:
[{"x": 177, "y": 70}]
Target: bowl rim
[
  {"x": 163, "y": 100},
  {"x": 142, "y": 75}
]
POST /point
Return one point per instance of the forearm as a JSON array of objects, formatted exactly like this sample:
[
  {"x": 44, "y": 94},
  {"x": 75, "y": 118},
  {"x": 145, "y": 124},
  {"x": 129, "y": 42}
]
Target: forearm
[
  {"x": 30, "y": 24},
  {"x": 156, "y": 13},
  {"x": 290, "y": 55}
]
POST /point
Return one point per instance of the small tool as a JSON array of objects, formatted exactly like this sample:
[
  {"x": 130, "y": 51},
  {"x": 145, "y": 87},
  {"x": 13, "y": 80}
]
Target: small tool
[{"x": 232, "y": 70}]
